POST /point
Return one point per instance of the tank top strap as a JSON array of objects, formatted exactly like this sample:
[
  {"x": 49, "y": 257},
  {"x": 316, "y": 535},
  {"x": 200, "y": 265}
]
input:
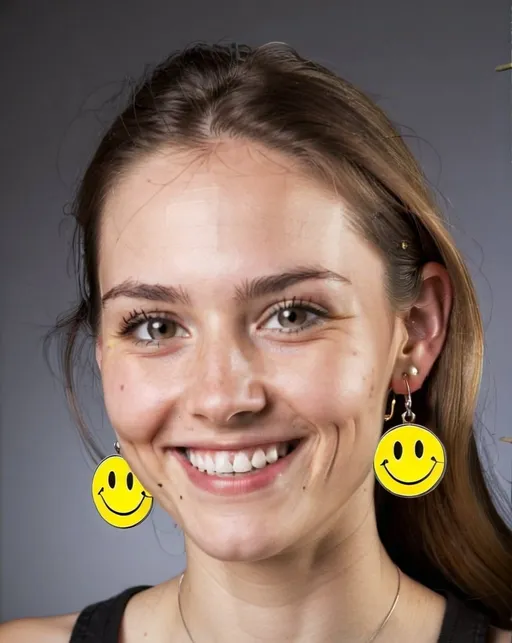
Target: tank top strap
[
  {"x": 101, "y": 622},
  {"x": 461, "y": 624}
]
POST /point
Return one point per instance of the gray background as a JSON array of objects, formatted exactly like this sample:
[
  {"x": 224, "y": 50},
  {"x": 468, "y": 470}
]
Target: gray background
[{"x": 431, "y": 65}]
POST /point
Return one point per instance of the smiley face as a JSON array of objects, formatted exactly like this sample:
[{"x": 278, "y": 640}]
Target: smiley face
[
  {"x": 410, "y": 461},
  {"x": 118, "y": 496}
]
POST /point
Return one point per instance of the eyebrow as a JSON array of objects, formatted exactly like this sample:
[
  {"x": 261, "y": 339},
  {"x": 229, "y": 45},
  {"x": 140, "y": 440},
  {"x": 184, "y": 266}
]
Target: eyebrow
[{"x": 248, "y": 290}]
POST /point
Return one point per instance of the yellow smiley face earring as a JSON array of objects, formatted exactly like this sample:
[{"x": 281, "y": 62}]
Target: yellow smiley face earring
[
  {"x": 118, "y": 496},
  {"x": 410, "y": 460}
]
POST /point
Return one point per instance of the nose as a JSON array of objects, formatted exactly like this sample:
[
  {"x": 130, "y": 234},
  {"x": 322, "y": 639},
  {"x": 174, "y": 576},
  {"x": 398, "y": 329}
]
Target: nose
[{"x": 224, "y": 384}]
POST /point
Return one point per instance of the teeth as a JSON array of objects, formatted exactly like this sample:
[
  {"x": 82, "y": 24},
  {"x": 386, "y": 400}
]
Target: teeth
[
  {"x": 224, "y": 462},
  {"x": 200, "y": 463},
  {"x": 209, "y": 464},
  {"x": 272, "y": 455},
  {"x": 241, "y": 463},
  {"x": 259, "y": 460}
]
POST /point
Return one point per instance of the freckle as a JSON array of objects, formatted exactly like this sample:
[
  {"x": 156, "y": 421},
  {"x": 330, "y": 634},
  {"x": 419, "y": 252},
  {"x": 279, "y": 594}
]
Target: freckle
[
  {"x": 354, "y": 353},
  {"x": 303, "y": 488},
  {"x": 122, "y": 387},
  {"x": 160, "y": 484},
  {"x": 181, "y": 497}
]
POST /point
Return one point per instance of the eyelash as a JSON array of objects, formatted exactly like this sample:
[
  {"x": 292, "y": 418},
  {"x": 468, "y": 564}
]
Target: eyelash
[{"x": 137, "y": 317}]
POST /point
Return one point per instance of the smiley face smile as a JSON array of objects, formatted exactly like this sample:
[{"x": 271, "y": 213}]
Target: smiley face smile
[
  {"x": 385, "y": 462},
  {"x": 121, "y": 513}
]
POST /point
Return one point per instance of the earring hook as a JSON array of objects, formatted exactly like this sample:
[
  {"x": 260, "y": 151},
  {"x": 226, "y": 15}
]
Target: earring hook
[
  {"x": 408, "y": 416},
  {"x": 389, "y": 415}
]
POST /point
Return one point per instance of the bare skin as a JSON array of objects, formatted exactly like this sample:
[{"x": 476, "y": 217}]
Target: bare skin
[{"x": 300, "y": 560}]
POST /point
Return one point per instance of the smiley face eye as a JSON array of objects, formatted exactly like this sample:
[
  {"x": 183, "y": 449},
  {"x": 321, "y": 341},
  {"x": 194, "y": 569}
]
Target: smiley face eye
[
  {"x": 129, "y": 480},
  {"x": 418, "y": 448},
  {"x": 398, "y": 450},
  {"x": 111, "y": 479}
]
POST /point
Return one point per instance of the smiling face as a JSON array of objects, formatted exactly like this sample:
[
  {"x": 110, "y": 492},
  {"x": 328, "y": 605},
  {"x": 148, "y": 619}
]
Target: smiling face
[
  {"x": 117, "y": 494},
  {"x": 196, "y": 353},
  {"x": 410, "y": 461}
]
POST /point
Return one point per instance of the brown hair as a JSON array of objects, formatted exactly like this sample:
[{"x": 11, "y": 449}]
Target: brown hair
[{"x": 453, "y": 538}]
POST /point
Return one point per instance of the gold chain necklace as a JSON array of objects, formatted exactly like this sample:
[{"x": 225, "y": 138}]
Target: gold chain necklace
[{"x": 370, "y": 640}]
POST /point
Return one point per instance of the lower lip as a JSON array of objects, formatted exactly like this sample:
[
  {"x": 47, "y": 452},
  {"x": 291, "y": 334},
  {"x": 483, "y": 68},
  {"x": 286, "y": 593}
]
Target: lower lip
[{"x": 241, "y": 483}]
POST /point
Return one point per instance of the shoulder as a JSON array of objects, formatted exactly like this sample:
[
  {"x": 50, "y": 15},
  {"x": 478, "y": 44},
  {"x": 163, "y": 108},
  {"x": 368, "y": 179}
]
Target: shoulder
[{"x": 52, "y": 629}]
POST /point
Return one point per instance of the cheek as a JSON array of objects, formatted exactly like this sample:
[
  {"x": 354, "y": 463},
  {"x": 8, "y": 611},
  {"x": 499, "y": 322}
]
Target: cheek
[
  {"x": 341, "y": 394},
  {"x": 136, "y": 393},
  {"x": 337, "y": 384}
]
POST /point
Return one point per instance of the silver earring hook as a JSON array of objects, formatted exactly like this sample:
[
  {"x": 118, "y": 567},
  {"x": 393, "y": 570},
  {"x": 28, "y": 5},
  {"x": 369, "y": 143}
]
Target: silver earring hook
[
  {"x": 117, "y": 447},
  {"x": 408, "y": 416}
]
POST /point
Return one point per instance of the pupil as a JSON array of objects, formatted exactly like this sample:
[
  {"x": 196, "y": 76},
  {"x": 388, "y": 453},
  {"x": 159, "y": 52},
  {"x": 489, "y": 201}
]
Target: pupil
[
  {"x": 129, "y": 481},
  {"x": 290, "y": 315},
  {"x": 418, "y": 448},
  {"x": 157, "y": 326},
  {"x": 398, "y": 450},
  {"x": 111, "y": 479}
]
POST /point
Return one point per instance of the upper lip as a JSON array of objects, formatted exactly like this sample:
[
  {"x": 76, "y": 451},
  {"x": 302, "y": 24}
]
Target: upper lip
[{"x": 235, "y": 446}]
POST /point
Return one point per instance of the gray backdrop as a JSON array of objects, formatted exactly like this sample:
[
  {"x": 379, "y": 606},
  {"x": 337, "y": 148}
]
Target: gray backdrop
[{"x": 431, "y": 64}]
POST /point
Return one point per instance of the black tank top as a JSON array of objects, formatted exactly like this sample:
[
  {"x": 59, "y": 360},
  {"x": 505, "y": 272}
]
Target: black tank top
[{"x": 101, "y": 622}]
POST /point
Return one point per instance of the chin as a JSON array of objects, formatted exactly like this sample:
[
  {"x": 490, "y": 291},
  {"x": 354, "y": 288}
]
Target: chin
[{"x": 236, "y": 540}]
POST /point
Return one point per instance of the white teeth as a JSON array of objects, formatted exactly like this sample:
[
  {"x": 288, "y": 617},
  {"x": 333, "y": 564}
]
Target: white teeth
[
  {"x": 241, "y": 463},
  {"x": 209, "y": 464},
  {"x": 272, "y": 455},
  {"x": 258, "y": 459},
  {"x": 222, "y": 463},
  {"x": 219, "y": 462},
  {"x": 200, "y": 463}
]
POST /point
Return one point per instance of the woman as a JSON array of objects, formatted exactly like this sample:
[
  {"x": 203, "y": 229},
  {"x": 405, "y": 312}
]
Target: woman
[{"x": 265, "y": 273}]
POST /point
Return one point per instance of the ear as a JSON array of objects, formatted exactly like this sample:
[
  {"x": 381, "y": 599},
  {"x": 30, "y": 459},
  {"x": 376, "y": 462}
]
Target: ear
[{"x": 426, "y": 324}]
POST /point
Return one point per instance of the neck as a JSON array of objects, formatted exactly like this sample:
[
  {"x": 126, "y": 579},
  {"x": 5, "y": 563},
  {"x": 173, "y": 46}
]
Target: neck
[{"x": 339, "y": 588}]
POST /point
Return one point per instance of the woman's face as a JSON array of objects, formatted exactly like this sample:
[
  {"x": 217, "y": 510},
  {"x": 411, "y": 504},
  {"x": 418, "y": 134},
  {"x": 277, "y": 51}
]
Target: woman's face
[{"x": 196, "y": 353}]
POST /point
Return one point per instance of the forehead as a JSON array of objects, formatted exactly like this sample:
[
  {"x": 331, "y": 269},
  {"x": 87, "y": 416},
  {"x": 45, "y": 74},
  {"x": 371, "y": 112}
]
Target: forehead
[{"x": 238, "y": 208}]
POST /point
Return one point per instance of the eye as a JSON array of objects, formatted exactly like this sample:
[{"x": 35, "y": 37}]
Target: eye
[
  {"x": 111, "y": 479},
  {"x": 418, "y": 448},
  {"x": 156, "y": 329},
  {"x": 294, "y": 317},
  {"x": 150, "y": 327},
  {"x": 398, "y": 450},
  {"x": 129, "y": 480}
]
